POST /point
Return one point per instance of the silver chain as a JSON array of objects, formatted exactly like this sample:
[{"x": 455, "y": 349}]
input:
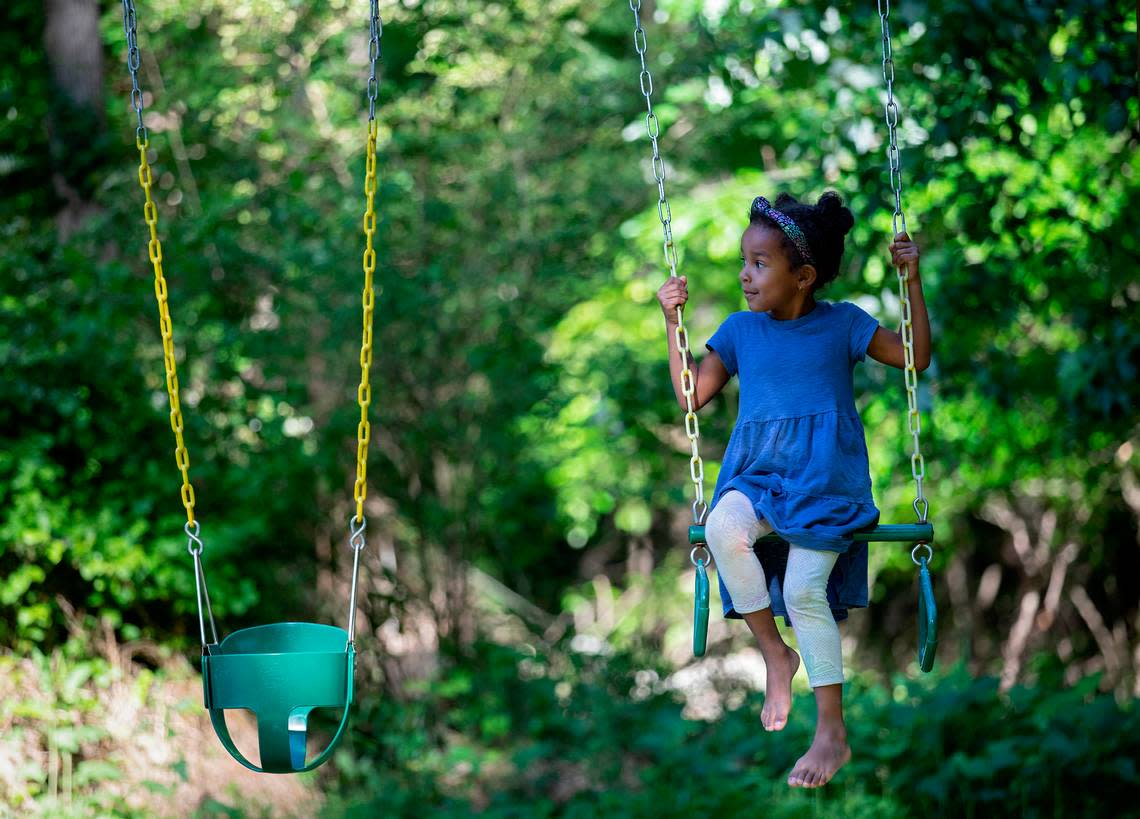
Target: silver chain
[
  {"x": 133, "y": 62},
  {"x": 910, "y": 373},
  {"x": 892, "y": 116},
  {"x": 375, "y": 30},
  {"x": 653, "y": 128}
]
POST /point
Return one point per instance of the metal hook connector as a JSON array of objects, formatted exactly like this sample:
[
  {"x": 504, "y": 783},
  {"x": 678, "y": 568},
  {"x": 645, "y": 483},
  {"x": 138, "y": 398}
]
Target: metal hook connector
[
  {"x": 194, "y": 538},
  {"x": 356, "y": 533}
]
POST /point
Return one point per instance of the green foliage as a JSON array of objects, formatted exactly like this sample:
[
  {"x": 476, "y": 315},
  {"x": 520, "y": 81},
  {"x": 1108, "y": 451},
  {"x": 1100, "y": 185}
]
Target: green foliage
[
  {"x": 52, "y": 712},
  {"x": 513, "y": 197},
  {"x": 522, "y": 419},
  {"x": 545, "y": 732}
]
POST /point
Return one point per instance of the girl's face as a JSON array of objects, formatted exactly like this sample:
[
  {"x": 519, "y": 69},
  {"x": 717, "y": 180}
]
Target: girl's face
[{"x": 765, "y": 275}]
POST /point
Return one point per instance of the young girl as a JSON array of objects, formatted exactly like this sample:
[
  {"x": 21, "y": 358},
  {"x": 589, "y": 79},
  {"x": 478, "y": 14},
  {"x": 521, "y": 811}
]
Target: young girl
[{"x": 796, "y": 463}]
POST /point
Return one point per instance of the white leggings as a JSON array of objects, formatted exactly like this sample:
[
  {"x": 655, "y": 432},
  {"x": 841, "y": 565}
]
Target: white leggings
[{"x": 731, "y": 529}]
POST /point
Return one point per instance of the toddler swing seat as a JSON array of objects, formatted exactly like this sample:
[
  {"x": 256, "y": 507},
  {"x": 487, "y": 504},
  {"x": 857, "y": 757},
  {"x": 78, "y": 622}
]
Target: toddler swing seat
[
  {"x": 281, "y": 672},
  {"x": 284, "y": 671}
]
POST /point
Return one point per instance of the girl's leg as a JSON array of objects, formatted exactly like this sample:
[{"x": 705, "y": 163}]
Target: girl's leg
[
  {"x": 805, "y": 594},
  {"x": 731, "y": 529}
]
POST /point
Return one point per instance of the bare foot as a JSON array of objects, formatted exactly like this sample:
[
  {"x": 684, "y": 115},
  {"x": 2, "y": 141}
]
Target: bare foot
[
  {"x": 778, "y": 691},
  {"x": 828, "y": 753}
]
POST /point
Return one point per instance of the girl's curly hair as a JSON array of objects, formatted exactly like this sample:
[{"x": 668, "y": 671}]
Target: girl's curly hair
[{"x": 825, "y": 224}]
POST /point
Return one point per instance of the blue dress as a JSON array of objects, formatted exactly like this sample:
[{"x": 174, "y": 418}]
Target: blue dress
[{"x": 798, "y": 451}]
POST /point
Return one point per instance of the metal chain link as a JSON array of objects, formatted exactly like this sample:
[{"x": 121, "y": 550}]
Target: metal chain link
[
  {"x": 357, "y": 524},
  {"x": 665, "y": 215},
  {"x": 364, "y": 391},
  {"x": 133, "y": 62},
  {"x": 154, "y": 250},
  {"x": 910, "y": 373}
]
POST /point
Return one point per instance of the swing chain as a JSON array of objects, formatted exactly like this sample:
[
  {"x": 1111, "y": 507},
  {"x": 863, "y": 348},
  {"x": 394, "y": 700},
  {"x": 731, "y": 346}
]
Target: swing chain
[
  {"x": 133, "y": 62},
  {"x": 364, "y": 392},
  {"x": 910, "y": 372},
  {"x": 357, "y": 524},
  {"x": 192, "y": 528},
  {"x": 375, "y": 30},
  {"x": 665, "y": 215},
  {"x": 892, "y": 116},
  {"x": 154, "y": 251},
  {"x": 368, "y": 299}
]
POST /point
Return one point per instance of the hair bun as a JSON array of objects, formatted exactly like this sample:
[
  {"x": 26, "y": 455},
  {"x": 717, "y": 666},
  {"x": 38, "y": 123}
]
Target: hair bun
[{"x": 835, "y": 213}]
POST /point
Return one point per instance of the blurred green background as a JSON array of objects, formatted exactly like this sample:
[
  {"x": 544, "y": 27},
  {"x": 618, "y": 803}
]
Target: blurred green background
[{"x": 525, "y": 604}]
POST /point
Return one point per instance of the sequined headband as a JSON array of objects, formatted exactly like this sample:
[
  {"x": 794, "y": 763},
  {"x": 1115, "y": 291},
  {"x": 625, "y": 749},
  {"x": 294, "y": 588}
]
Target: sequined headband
[{"x": 761, "y": 206}]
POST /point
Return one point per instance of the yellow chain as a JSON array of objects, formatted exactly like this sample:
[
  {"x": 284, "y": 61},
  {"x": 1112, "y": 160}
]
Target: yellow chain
[
  {"x": 364, "y": 392},
  {"x": 154, "y": 249}
]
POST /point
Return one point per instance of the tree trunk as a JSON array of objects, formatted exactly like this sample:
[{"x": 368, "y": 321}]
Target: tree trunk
[{"x": 76, "y": 124}]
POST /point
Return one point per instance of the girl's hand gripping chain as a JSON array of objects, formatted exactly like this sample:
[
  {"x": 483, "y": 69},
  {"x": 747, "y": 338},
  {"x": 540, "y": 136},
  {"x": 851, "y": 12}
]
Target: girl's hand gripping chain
[
  {"x": 673, "y": 294},
  {"x": 904, "y": 253}
]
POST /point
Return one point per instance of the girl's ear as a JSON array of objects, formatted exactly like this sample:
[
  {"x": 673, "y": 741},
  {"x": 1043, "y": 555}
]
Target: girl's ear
[{"x": 805, "y": 276}]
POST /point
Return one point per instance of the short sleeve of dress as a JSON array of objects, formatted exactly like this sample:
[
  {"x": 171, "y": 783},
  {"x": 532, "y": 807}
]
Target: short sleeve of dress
[
  {"x": 723, "y": 343},
  {"x": 863, "y": 327}
]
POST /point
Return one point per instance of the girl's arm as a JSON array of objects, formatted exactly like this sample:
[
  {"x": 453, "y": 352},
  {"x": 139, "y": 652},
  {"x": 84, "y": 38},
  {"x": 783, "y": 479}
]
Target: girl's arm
[
  {"x": 887, "y": 345},
  {"x": 710, "y": 376}
]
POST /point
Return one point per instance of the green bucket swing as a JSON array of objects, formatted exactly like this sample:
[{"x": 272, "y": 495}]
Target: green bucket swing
[
  {"x": 920, "y": 533},
  {"x": 281, "y": 672},
  {"x": 284, "y": 671}
]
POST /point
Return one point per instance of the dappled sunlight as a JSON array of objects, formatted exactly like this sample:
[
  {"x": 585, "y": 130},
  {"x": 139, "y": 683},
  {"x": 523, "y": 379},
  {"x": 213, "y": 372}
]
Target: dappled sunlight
[{"x": 525, "y": 610}]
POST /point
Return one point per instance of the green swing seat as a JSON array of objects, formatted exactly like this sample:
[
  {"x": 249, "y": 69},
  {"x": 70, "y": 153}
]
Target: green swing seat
[
  {"x": 921, "y": 533},
  {"x": 701, "y": 609},
  {"x": 927, "y": 618},
  {"x": 281, "y": 672}
]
